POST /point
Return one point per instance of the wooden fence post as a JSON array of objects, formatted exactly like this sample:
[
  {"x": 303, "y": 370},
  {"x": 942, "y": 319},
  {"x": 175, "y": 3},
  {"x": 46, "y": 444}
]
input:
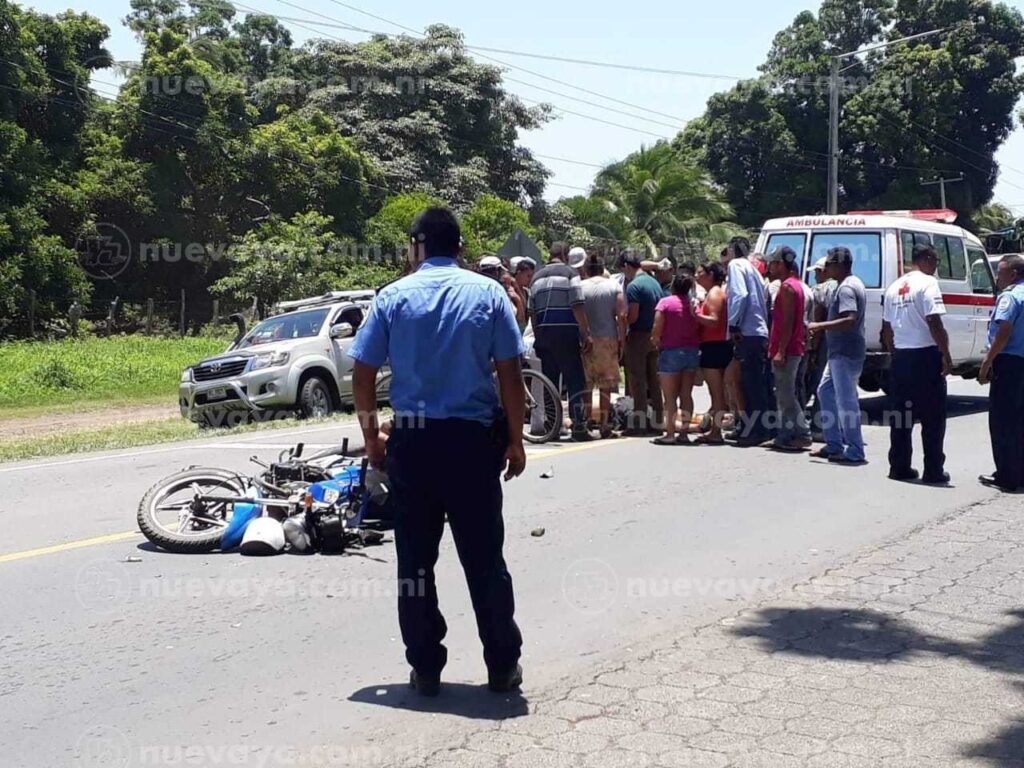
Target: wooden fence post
[
  {"x": 149, "y": 317},
  {"x": 182, "y": 320},
  {"x": 31, "y": 314},
  {"x": 74, "y": 316},
  {"x": 216, "y": 311}
]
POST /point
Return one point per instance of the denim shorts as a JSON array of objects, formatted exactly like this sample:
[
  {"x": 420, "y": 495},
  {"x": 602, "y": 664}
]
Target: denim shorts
[{"x": 679, "y": 360}]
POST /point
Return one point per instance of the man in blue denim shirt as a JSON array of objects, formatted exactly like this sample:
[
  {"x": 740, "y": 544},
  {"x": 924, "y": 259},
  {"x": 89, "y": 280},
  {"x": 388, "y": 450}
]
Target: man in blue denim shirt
[
  {"x": 747, "y": 304},
  {"x": 1004, "y": 367},
  {"x": 444, "y": 330}
]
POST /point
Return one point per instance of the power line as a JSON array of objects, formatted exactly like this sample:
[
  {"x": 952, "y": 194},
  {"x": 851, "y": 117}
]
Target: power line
[
  {"x": 484, "y": 56},
  {"x": 597, "y": 119}
]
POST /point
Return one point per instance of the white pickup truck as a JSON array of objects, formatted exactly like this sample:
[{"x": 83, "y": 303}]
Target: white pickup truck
[
  {"x": 294, "y": 361},
  {"x": 882, "y": 243}
]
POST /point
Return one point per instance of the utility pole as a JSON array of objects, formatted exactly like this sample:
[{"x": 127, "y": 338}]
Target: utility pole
[
  {"x": 942, "y": 185},
  {"x": 833, "y": 119}
]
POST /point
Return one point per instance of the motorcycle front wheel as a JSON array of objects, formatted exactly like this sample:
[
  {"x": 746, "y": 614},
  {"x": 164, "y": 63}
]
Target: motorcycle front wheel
[{"x": 170, "y": 516}]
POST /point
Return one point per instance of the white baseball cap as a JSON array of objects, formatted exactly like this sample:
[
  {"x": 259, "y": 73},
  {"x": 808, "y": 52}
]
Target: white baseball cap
[
  {"x": 665, "y": 264},
  {"x": 819, "y": 264},
  {"x": 490, "y": 262},
  {"x": 522, "y": 261},
  {"x": 577, "y": 258}
]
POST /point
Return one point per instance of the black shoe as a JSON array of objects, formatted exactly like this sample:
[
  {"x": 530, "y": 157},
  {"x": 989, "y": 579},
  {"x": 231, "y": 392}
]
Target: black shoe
[
  {"x": 904, "y": 477},
  {"x": 992, "y": 481},
  {"x": 942, "y": 479},
  {"x": 843, "y": 461},
  {"x": 504, "y": 683},
  {"x": 424, "y": 686},
  {"x": 582, "y": 437}
]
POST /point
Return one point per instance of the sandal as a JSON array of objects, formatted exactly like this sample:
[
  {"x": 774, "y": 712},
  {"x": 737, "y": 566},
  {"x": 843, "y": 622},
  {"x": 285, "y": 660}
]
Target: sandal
[{"x": 822, "y": 453}]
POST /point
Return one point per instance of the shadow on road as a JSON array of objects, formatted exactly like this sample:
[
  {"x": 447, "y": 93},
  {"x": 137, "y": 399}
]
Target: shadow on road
[
  {"x": 474, "y": 702},
  {"x": 876, "y": 408},
  {"x": 875, "y": 637}
]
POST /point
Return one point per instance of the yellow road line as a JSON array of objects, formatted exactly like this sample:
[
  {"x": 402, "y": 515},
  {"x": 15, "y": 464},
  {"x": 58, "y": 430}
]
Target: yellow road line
[
  {"x": 108, "y": 539},
  {"x": 113, "y": 538}
]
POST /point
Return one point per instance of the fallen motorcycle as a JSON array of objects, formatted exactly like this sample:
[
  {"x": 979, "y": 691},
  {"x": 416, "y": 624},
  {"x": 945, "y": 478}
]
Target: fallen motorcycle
[{"x": 327, "y": 502}]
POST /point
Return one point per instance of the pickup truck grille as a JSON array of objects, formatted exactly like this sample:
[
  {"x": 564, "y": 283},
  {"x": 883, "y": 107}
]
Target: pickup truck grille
[{"x": 224, "y": 369}]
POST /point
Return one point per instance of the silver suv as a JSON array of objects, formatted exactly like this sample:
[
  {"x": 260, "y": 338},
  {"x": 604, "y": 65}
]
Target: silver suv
[{"x": 293, "y": 361}]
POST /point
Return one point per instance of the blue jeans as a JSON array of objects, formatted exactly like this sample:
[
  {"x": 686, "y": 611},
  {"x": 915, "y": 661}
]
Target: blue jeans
[{"x": 840, "y": 408}]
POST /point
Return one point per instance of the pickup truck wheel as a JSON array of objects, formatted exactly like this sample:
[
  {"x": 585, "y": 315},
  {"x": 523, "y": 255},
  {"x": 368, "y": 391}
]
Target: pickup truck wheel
[{"x": 315, "y": 399}]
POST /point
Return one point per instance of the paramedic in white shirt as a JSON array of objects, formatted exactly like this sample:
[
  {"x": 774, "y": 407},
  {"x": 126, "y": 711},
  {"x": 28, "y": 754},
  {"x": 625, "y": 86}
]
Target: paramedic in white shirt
[{"x": 913, "y": 333}]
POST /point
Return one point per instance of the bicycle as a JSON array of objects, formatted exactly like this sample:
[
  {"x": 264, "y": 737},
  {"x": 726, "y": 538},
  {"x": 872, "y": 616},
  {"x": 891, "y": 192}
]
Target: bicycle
[{"x": 544, "y": 410}]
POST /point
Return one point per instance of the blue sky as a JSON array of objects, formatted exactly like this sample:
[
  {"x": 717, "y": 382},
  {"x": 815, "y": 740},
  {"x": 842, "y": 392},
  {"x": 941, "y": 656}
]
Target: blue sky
[{"x": 727, "y": 37}]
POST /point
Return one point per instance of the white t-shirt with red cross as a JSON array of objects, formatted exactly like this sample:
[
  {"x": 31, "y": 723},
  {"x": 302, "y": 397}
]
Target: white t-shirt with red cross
[{"x": 908, "y": 303}]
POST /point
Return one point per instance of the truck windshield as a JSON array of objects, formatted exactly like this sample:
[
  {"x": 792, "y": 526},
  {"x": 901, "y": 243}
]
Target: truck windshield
[{"x": 299, "y": 325}]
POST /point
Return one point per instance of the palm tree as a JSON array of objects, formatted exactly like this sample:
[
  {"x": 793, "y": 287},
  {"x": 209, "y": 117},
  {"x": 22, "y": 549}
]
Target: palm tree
[
  {"x": 660, "y": 198},
  {"x": 993, "y": 218}
]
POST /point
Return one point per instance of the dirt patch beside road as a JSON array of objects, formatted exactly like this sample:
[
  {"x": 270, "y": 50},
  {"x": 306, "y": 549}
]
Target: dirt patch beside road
[{"x": 43, "y": 425}]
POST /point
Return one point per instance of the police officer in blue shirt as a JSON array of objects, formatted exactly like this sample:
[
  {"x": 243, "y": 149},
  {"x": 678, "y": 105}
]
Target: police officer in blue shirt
[
  {"x": 1004, "y": 367},
  {"x": 445, "y": 330}
]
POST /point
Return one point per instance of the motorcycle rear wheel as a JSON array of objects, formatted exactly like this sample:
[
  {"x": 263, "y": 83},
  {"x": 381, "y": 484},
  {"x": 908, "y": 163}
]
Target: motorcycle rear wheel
[{"x": 197, "y": 530}]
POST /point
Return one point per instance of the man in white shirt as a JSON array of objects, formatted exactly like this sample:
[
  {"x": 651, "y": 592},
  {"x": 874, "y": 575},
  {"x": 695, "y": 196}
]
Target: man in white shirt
[{"x": 915, "y": 336}]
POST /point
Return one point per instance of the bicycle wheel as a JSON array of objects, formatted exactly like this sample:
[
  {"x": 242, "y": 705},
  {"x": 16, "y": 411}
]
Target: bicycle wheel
[{"x": 544, "y": 410}]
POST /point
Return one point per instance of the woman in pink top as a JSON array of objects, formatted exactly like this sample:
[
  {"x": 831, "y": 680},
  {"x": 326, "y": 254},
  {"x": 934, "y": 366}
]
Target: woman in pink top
[
  {"x": 786, "y": 346},
  {"x": 676, "y": 336}
]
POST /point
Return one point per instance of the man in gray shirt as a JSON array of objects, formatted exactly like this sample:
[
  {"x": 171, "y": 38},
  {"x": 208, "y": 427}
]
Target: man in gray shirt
[
  {"x": 844, "y": 328},
  {"x": 605, "y": 307}
]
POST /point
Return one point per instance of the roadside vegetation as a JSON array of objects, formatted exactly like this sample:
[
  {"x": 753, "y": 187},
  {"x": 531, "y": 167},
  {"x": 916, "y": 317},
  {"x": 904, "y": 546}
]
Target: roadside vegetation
[{"x": 40, "y": 377}]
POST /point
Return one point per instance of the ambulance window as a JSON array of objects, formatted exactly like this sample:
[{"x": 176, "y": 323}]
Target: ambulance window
[
  {"x": 952, "y": 258},
  {"x": 796, "y": 242},
  {"x": 866, "y": 248},
  {"x": 981, "y": 276},
  {"x": 908, "y": 240}
]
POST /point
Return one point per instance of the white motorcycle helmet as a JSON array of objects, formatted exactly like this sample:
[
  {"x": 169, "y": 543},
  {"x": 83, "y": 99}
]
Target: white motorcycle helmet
[{"x": 263, "y": 536}]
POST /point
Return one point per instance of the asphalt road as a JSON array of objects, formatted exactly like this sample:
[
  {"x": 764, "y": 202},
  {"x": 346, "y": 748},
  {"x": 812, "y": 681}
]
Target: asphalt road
[{"x": 219, "y": 659}]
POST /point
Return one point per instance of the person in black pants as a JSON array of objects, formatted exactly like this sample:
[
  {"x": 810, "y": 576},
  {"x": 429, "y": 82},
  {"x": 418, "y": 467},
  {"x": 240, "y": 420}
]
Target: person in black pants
[
  {"x": 914, "y": 334},
  {"x": 1004, "y": 368},
  {"x": 444, "y": 329}
]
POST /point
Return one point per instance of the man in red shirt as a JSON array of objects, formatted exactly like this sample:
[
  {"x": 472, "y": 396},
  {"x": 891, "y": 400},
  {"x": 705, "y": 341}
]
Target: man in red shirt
[{"x": 787, "y": 343}]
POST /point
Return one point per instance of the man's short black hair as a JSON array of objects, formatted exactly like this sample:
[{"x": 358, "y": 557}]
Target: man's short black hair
[
  {"x": 839, "y": 255},
  {"x": 1015, "y": 262},
  {"x": 438, "y": 230},
  {"x": 559, "y": 250},
  {"x": 595, "y": 266},
  {"x": 688, "y": 268},
  {"x": 631, "y": 260},
  {"x": 740, "y": 246},
  {"x": 924, "y": 251},
  {"x": 787, "y": 256}
]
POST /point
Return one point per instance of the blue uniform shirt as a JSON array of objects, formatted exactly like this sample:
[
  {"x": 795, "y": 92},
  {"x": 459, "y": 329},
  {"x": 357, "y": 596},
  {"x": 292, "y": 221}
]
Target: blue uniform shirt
[
  {"x": 441, "y": 328},
  {"x": 1010, "y": 309}
]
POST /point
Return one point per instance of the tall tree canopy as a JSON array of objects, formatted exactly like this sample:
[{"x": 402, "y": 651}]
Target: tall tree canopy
[{"x": 938, "y": 106}]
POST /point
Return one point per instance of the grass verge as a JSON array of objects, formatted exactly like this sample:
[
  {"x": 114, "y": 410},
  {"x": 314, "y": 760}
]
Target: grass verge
[
  {"x": 40, "y": 377},
  {"x": 134, "y": 435}
]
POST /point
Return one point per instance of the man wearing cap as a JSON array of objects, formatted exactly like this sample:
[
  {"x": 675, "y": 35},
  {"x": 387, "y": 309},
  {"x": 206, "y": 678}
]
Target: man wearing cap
[
  {"x": 491, "y": 266},
  {"x": 913, "y": 333},
  {"x": 562, "y": 332},
  {"x": 1004, "y": 368},
  {"x": 444, "y": 330},
  {"x": 747, "y": 302},
  {"x": 840, "y": 404},
  {"x": 823, "y": 293},
  {"x": 641, "y": 359},
  {"x": 786, "y": 345}
]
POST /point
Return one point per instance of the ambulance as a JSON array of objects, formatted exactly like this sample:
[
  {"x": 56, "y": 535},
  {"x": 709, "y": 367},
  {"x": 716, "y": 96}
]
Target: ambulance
[{"x": 882, "y": 243}]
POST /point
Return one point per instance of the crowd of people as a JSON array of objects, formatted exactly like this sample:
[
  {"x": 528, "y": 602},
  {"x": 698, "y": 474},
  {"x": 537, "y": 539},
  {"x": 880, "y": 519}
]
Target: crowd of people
[
  {"x": 759, "y": 337},
  {"x": 781, "y": 359}
]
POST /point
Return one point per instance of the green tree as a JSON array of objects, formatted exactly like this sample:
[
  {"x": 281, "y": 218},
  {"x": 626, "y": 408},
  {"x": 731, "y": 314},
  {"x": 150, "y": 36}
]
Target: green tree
[
  {"x": 489, "y": 222},
  {"x": 388, "y": 229},
  {"x": 285, "y": 260},
  {"x": 660, "y": 199},
  {"x": 993, "y": 218}
]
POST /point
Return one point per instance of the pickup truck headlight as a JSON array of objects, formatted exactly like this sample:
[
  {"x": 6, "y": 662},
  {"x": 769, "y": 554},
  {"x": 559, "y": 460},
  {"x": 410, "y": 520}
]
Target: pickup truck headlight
[
  {"x": 269, "y": 360},
  {"x": 186, "y": 376}
]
